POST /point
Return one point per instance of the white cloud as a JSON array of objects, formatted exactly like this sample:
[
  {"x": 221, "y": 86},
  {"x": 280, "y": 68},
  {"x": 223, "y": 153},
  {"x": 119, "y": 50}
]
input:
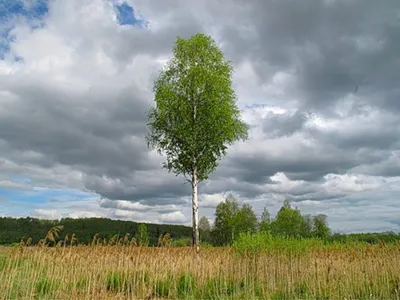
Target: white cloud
[
  {"x": 84, "y": 214},
  {"x": 211, "y": 200},
  {"x": 175, "y": 217},
  {"x": 50, "y": 214},
  {"x": 124, "y": 214}
]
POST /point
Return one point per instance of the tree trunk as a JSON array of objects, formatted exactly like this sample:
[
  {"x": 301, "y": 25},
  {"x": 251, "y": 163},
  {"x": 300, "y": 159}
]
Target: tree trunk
[{"x": 195, "y": 207}]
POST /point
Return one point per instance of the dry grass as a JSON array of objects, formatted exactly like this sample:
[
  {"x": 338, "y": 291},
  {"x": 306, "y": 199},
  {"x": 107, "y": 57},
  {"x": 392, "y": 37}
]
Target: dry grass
[{"x": 124, "y": 272}]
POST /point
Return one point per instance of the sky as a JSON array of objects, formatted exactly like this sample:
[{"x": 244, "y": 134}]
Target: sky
[{"x": 316, "y": 81}]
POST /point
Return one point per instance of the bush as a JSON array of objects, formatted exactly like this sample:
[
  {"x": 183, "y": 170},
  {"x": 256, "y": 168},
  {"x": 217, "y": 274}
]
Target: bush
[
  {"x": 250, "y": 244},
  {"x": 247, "y": 243},
  {"x": 183, "y": 242}
]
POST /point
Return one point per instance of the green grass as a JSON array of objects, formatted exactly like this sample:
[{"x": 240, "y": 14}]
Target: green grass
[{"x": 267, "y": 269}]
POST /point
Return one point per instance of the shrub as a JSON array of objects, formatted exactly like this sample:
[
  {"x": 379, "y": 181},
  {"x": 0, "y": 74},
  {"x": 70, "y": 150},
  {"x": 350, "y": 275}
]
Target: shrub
[
  {"x": 183, "y": 242},
  {"x": 250, "y": 244}
]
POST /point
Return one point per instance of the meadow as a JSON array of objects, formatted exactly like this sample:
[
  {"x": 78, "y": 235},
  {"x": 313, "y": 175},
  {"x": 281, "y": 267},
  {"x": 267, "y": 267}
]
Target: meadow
[{"x": 282, "y": 269}]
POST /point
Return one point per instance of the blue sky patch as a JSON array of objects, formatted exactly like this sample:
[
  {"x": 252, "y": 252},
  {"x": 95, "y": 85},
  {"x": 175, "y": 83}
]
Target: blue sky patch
[
  {"x": 10, "y": 10},
  {"x": 126, "y": 15},
  {"x": 17, "y": 202}
]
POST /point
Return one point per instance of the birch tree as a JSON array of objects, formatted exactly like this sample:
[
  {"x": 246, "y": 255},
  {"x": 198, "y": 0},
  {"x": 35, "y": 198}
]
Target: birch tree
[{"x": 195, "y": 116}]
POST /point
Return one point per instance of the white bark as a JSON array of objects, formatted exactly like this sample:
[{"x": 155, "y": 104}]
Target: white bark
[{"x": 195, "y": 207}]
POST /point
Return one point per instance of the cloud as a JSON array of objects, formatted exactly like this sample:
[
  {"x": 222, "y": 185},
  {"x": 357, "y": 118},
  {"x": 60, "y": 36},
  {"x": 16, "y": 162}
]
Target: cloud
[
  {"x": 84, "y": 214},
  {"x": 137, "y": 206},
  {"x": 316, "y": 82},
  {"x": 50, "y": 214},
  {"x": 11, "y": 12},
  {"x": 175, "y": 217},
  {"x": 211, "y": 201},
  {"x": 330, "y": 47},
  {"x": 278, "y": 125}
]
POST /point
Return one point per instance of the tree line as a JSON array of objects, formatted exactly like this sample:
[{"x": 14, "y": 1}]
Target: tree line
[
  {"x": 231, "y": 219},
  {"x": 13, "y": 230}
]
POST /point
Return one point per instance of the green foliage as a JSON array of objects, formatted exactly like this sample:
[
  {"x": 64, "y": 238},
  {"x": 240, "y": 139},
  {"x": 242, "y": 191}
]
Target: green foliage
[
  {"x": 225, "y": 221},
  {"x": 288, "y": 222},
  {"x": 119, "y": 282},
  {"x": 46, "y": 286},
  {"x": 183, "y": 242},
  {"x": 220, "y": 287},
  {"x": 307, "y": 226},
  {"x": 231, "y": 220},
  {"x": 187, "y": 285},
  {"x": 12, "y": 230},
  {"x": 265, "y": 221},
  {"x": 320, "y": 226},
  {"x": 302, "y": 290},
  {"x": 205, "y": 230},
  {"x": 163, "y": 288},
  {"x": 195, "y": 115},
  {"x": 251, "y": 244},
  {"x": 370, "y": 238},
  {"x": 246, "y": 220},
  {"x": 142, "y": 238}
]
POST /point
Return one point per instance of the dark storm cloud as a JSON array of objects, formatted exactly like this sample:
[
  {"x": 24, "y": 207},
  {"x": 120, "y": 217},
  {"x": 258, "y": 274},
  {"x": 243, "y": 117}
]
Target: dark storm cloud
[
  {"x": 147, "y": 189},
  {"x": 278, "y": 125},
  {"x": 311, "y": 165},
  {"x": 332, "y": 46},
  {"x": 93, "y": 135}
]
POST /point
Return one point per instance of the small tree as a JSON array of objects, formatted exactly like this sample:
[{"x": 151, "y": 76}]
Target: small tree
[
  {"x": 246, "y": 219},
  {"x": 205, "y": 229},
  {"x": 141, "y": 236},
  {"x": 320, "y": 226},
  {"x": 265, "y": 220},
  {"x": 195, "y": 117},
  {"x": 307, "y": 226},
  {"x": 288, "y": 221},
  {"x": 225, "y": 220}
]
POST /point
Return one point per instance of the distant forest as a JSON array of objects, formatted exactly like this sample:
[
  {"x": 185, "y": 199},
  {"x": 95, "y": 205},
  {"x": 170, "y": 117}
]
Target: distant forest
[
  {"x": 13, "y": 230},
  {"x": 231, "y": 220}
]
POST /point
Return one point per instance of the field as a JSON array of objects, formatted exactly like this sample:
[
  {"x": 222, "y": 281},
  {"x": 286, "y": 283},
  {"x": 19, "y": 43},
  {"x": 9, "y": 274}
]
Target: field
[{"x": 125, "y": 272}]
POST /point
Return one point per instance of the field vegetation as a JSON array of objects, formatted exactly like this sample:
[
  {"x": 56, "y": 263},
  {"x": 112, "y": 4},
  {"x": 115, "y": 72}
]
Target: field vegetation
[{"x": 257, "y": 266}]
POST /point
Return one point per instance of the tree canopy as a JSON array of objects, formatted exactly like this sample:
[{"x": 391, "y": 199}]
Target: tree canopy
[{"x": 195, "y": 117}]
